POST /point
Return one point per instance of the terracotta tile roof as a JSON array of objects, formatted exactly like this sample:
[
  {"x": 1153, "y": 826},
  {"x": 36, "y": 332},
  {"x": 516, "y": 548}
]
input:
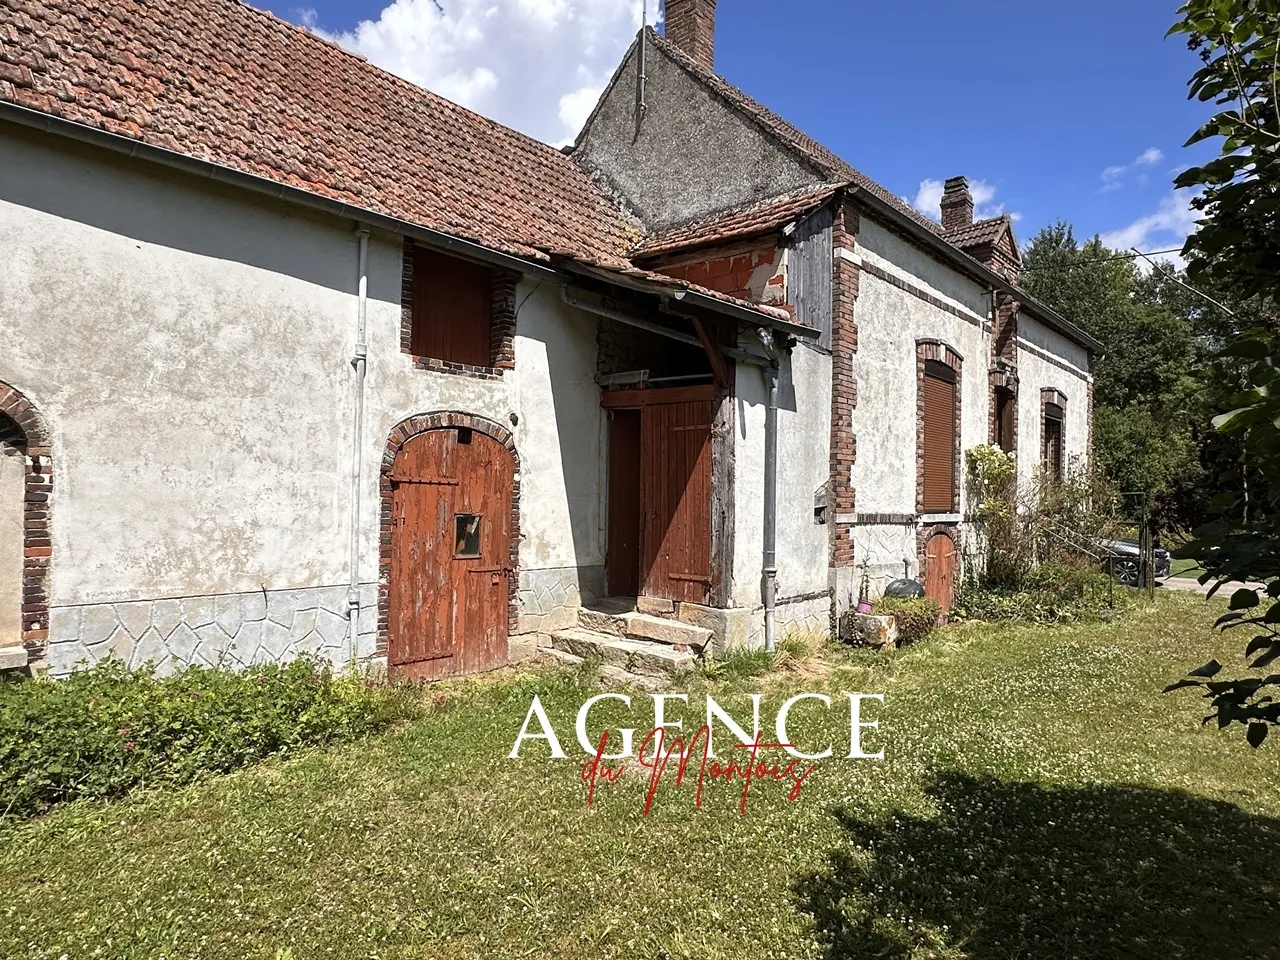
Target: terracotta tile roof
[
  {"x": 979, "y": 232},
  {"x": 737, "y": 224},
  {"x": 828, "y": 164},
  {"x": 226, "y": 83}
]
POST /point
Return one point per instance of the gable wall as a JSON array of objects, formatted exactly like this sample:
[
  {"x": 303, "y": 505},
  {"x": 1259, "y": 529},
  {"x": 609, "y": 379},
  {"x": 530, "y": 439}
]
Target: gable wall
[
  {"x": 190, "y": 347},
  {"x": 692, "y": 155}
]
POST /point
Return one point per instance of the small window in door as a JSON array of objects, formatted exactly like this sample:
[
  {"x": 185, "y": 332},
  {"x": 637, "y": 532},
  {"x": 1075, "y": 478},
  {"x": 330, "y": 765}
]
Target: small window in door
[{"x": 466, "y": 538}]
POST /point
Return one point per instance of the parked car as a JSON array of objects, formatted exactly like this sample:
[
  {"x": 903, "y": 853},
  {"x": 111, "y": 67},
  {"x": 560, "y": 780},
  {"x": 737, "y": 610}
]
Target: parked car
[{"x": 1123, "y": 560}]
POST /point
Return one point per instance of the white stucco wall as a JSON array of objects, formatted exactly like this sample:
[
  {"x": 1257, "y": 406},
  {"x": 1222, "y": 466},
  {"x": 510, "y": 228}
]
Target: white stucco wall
[
  {"x": 804, "y": 419},
  {"x": 12, "y": 489},
  {"x": 1048, "y": 359},
  {"x": 190, "y": 348},
  {"x": 890, "y": 321}
]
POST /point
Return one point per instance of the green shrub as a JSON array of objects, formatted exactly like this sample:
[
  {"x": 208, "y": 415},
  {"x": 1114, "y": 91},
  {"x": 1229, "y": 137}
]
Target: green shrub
[
  {"x": 104, "y": 731},
  {"x": 915, "y": 617},
  {"x": 1067, "y": 600}
]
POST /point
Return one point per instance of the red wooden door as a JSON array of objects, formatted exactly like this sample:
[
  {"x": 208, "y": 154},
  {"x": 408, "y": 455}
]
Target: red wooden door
[
  {"x": 940, "y": 564},
  {"x": 675, "y": 485},
  {"x": 450, "y": 554}
]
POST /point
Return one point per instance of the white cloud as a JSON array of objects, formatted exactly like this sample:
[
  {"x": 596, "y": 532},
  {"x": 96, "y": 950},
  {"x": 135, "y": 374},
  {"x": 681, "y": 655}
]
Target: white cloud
[
  {"x": 536, "y": 65},
  {"x": 1168, "y": 227},
  {"x": 1113, "y": 176},
  {"x": 928, "y": 200}
]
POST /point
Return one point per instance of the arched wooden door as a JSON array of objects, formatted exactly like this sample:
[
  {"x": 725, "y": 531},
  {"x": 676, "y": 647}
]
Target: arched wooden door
[
  {"x": 450, "y": 554},
  {"x": 941, "y": 563}
]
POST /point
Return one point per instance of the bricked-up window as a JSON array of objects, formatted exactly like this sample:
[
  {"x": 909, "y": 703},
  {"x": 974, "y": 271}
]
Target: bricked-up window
[
  {"x": 938, "y": 447},
  {"x": 452, "y": 313},
  {"x": 1053, "y": 417}
]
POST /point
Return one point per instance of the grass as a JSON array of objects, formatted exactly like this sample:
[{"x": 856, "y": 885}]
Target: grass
[
  {"x": 1188, "y": 569},
  {"x": 1039, "y": 798}
]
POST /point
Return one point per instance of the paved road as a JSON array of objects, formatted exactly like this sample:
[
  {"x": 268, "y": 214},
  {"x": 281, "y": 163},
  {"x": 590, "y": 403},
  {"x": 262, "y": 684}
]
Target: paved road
[{"x": 1186, "y": 585}]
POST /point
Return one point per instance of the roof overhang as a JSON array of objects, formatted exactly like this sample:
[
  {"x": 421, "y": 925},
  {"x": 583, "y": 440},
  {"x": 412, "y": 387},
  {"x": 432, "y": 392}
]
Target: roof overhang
[
  {"x": 948, "y": 253},
  {"x": 263, "y": 186}
]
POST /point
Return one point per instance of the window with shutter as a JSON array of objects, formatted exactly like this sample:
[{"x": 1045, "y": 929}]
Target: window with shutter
[
  {"x": 939, "y": 442},
  {"x": 452, "y": 309}
]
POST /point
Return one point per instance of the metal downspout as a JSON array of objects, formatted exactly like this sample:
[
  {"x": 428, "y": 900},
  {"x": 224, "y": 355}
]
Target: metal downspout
[
  {"x": 360, "y": 362},
  {"x": 769, "y": 571}
]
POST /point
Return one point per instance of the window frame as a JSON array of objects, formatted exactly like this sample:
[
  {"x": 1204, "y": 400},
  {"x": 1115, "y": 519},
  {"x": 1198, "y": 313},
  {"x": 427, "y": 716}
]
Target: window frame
[{"x": 937, "y": 360}]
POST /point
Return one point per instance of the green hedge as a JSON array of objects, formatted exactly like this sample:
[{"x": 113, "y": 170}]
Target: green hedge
[
  {"x": 915, "y": 616},
  {"x": 104, "y": 731}
]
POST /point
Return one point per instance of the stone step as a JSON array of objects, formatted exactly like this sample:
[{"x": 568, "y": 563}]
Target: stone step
[
  {"x": 13, "y": 658},
  {"x": 642, "y": 626},
  {"x": 640, "y": 657}
]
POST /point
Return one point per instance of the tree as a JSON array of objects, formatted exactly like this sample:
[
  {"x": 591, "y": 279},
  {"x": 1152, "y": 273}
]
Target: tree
[
  {"x": 1149, "y": 392},
  {"x": 1237, "y": 247}
]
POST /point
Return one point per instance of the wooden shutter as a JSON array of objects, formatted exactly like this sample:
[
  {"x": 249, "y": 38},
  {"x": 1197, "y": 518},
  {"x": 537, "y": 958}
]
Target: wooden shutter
[
  {"x": 939, "y": 444},
  {"x": 452, "y": 309}
]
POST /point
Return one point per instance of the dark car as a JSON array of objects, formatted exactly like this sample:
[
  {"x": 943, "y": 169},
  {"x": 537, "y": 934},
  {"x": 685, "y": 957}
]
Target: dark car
[{"x": 1123, "y": 560}]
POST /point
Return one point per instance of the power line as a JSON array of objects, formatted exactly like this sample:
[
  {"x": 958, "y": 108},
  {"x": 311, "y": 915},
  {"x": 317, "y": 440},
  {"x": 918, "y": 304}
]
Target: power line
[{"x": 1125, "y": 256}]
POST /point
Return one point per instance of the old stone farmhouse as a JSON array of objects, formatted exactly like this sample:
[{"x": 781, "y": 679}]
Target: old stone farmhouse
[{"x": 296, "y": 357}]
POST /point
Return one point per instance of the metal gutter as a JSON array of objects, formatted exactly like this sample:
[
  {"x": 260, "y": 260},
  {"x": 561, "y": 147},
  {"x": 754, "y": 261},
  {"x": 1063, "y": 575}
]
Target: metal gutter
[{"x": 967, "y": 264}]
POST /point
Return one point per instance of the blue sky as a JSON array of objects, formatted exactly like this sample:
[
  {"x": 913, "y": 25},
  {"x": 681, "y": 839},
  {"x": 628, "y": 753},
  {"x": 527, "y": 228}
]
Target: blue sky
[{"x": 1073, "y": 110}]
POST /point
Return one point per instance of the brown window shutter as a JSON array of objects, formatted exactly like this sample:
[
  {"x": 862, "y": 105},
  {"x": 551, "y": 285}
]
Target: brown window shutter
[
  {"x": 1053, "y": 416},
  {"x": 452, "y": 309},
  {"x": 939, "y": 443}
]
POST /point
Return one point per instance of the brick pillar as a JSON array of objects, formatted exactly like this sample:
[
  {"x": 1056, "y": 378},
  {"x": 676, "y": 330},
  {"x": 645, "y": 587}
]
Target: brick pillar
[{"x": 844, "y": 397}]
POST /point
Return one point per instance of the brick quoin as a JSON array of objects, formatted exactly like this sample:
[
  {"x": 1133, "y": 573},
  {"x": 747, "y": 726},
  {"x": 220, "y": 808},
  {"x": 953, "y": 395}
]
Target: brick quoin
[
  {"x": 37, "y": 541},
  {"x": 400, "y": 435},
  {"x": 844, "y": 384}
]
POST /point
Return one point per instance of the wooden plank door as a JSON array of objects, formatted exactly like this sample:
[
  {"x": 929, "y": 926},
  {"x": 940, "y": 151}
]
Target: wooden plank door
[
  {"x": 675, "y": 490},
  {"x": 623, "y": 562},
  {"x": 940, "y": 567},
  {"x": 450, "y": 559}
]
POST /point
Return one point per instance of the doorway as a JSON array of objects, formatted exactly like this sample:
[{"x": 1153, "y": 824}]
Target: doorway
[
  {"x": 940, "y": 567},
  {"x": 451, "y": 501},
  {"x": 660, "y": 493}
]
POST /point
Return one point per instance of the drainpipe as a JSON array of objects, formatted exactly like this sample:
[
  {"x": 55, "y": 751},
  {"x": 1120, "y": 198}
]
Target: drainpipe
[
  {"x": 360, "y": 362},
  {"x": 769, "y": 571}
]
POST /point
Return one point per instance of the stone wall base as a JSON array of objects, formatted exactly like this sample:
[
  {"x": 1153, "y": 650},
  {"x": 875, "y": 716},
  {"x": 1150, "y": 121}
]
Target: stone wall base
[{"x": 227, "y": 630}]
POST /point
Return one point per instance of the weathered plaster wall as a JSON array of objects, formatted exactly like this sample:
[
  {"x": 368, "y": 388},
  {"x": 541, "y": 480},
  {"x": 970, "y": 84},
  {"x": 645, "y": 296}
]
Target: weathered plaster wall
[
  {"x": 890, "y": 321},
  {"x": 190, "y": 348},
  {"x": 1036, "y": 344},
  {"x": 803, "y": 426},
  {"x": 12, "y": 489},
  {"x": 692, "y": 155}
]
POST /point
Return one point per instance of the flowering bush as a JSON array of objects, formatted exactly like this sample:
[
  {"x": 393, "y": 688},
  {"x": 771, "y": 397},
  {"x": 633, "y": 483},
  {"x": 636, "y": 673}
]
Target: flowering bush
[{"x": 103, "y": 731}]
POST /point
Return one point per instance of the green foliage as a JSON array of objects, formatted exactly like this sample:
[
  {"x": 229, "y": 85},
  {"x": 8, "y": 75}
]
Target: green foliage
[
  {"x": 1239, "y": 45},
  {"x": 992, "y": 480},
  {"x": 1242, "y": 544},
  {"x": 915, "y": 617},
  {"x": 104, "y": 731},
  {"x": 1064, "y": 590}
]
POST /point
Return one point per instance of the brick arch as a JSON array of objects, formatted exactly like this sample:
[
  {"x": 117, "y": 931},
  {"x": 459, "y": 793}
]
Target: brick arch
[
  {"x": 403, "y": 432},
  {"x": 37, "y": 545}
]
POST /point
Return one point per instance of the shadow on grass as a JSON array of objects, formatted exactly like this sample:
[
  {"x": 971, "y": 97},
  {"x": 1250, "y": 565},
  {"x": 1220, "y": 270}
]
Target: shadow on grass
[{"x": 1017, "y": 870}]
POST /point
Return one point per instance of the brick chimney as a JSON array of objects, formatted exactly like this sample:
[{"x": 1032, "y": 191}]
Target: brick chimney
[
  {"x": 691, "y": 26},
  {"x": 957, "y": 204}
]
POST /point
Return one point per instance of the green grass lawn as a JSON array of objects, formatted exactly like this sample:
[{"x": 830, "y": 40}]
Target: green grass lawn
[
  {"x": 1040, "y": 798},
  {"x": 1185, "y": 568}
]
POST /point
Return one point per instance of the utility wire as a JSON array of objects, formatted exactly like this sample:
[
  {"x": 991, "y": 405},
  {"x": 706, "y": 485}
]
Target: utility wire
[{"x": 1119, "y": 256}]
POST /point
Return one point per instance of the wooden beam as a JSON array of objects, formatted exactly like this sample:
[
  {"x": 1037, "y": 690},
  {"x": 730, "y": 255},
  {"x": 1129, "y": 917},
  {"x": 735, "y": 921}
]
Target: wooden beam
[{"x": 714, "y": 353}]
